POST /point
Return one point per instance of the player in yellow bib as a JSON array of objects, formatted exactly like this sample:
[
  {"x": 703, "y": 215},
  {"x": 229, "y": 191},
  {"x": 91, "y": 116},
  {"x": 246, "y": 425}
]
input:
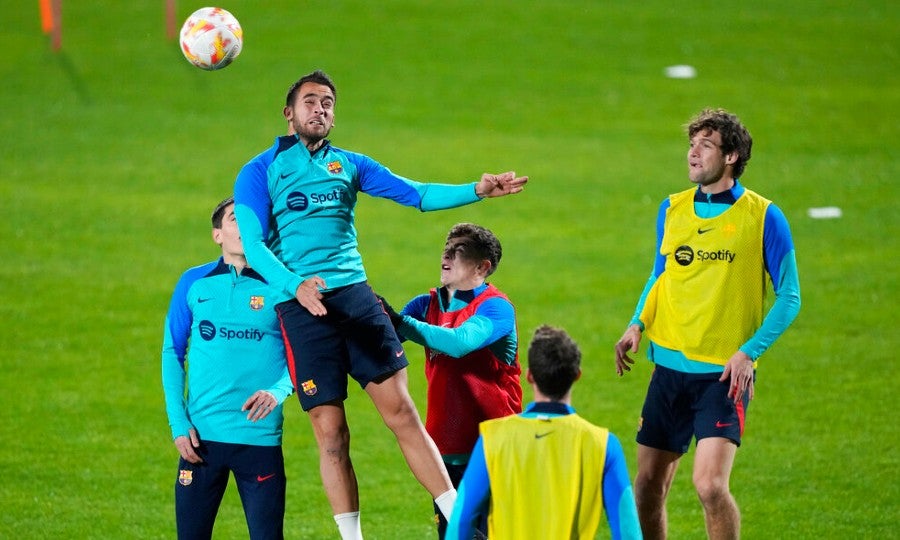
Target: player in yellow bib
[
  {"x": 720, "y": 246},
  {"x": 547, "y": 472}
]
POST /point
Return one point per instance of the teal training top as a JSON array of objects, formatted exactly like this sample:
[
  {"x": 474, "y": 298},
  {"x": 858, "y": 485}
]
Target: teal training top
[
  {"x": 222, "y": 343},
  {"x": 295, "y": 210}
]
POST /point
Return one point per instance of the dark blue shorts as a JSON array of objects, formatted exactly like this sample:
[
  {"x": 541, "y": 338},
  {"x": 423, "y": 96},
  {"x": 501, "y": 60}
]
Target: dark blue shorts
[
  {"x": 259, "y": 474},
  {"x": 681, "y": 406},
  {"x": 355, "y": 338}
]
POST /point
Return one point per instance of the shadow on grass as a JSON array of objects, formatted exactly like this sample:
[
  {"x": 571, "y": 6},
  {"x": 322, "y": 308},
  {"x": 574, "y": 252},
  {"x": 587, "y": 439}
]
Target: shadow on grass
[{"x": 75, "y": 78}]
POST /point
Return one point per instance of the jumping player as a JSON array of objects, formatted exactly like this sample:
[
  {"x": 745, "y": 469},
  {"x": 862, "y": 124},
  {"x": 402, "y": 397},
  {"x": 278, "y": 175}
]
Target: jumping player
[{"x": 295, "y": 207}]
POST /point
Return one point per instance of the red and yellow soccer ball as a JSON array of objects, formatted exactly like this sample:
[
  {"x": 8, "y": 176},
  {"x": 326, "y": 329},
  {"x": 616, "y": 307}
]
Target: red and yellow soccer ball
[{"x": 211, "y": 38}]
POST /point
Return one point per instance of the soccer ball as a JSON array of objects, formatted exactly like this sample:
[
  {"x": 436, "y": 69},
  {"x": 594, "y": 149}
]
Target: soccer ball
[{"x": 211, "y": 38}]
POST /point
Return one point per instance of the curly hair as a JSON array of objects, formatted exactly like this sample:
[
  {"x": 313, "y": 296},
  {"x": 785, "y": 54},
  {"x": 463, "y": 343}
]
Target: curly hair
[{"x": 735, "y": 137}]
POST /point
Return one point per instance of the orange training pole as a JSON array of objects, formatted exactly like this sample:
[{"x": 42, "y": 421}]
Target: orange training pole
[
  {"x": 46, "y": 16},
  {"x": 51, "y": 21}
]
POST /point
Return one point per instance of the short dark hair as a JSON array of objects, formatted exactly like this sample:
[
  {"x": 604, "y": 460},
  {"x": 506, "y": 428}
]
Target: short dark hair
[
  {"x": 219, "y": 212},
  {"x": 735, "y": 137},
  {"x": 483, "y": 245},
  {"x": 554, "y": 360},
  {"x": 318, "y": 76}
]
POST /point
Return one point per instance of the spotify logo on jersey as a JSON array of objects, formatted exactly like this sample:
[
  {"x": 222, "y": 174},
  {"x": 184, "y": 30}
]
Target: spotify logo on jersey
[
  {"x": 297, "y": 201},
  {"x": 207, "y": 330}
]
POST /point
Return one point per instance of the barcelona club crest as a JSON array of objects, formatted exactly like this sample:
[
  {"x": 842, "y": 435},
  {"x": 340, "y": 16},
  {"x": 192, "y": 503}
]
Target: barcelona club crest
[
  {"x": 185, "y": 477},
  {"x": 309, "y": 388},
  {"x": 257, "y": 302},
  {"x": 335, "y": 167}
]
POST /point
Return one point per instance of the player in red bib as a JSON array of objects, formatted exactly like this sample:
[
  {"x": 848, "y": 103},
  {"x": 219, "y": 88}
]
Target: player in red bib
[{"x": 468, "y": 329}]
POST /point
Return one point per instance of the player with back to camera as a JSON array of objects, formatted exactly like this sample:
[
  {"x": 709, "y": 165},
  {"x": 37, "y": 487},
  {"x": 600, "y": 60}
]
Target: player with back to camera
[
  {"x": 547, "y": 472},
  {"x": 468, "y": 329},
  {"x": 295, "y": 207},
  {"x": 703, "y": 312},
  {"x": 222, "y": 325}
]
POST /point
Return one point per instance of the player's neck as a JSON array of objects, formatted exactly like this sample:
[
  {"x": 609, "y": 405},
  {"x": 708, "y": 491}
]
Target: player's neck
[
  {"x": 237, "y": 261},
  {"x": 311, "y": 145},
  {"x": 721, "y": 185},
  {"x": 463, "y": 285},
  {"x": 539, "y": 397}
]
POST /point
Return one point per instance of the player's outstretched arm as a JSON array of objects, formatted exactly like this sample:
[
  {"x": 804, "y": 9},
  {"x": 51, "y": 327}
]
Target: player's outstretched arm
[{"x": 498, "y": 185}]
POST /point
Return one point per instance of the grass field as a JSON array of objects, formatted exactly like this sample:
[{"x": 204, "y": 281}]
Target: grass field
[{"x": 115, "y": 148}]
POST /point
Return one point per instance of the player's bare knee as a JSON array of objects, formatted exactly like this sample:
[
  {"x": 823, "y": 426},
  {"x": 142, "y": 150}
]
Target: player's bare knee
[
  {"x": 332, "y": 437},
  {"x": 649, "y": 491},
  {"x": 401, "y": 418},
  {"x": 654, "y": 481},
  {"x": 711, "y": 491}
]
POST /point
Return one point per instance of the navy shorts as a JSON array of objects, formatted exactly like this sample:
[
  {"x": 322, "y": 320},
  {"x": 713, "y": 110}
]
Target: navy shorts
[
  {"x": 355, "y": 338},
  {"x": 259, "y": 474},
  {"x": 681, "y": 406}
]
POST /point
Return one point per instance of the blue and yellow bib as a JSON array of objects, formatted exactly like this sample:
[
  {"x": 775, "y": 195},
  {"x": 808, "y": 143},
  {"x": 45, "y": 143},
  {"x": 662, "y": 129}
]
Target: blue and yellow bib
[
  {"x": 560, "y": 457},
  {"x": 710, "y": 298}
]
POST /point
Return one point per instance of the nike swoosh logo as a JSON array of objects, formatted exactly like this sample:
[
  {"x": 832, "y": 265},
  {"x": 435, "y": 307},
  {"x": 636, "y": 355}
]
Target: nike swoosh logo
[
  {"x": 398, "y": 354},
  {"x": 541, "y": 435},
  {"x": 260, "y": 478},
  {"x": 721, "y": 425},
  {"x": 704, "y": 231},
  {"x": 201, "y": 300},
  {"x": 283, "y": 176}
]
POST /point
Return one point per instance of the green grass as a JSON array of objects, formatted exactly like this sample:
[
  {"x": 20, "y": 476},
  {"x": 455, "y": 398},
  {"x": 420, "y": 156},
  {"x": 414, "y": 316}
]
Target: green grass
[{"x": 115, "y": 148}]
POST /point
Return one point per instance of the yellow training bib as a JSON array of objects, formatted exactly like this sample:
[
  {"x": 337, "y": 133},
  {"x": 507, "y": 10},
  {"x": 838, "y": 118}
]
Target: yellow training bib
[{"x": 711, "y": 296}]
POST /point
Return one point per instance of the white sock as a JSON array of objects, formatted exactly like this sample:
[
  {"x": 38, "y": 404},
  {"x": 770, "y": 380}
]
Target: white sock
[
  {"x": 445, "y": 501},
  {"x": 348, "y": 525}
]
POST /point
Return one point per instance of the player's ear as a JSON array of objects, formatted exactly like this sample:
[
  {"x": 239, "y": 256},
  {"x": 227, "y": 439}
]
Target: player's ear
[
  {"x": 731, "y": 158},
  {"x": 287, "y": 112},
  {"x": 528, "y": 376},
  {"x": 579, "y": 375},
  {"x": 217, "y": 236}
]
